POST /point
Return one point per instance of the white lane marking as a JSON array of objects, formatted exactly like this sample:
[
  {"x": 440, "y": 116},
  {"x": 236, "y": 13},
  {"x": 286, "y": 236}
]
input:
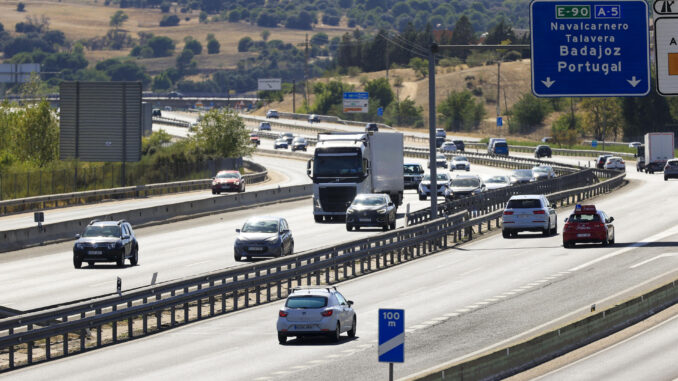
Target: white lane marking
[
  {"x": 333, "y": 356},
  {"x": 646, "y": 241},
  {"x": 665, "y": 255},
  {"x": 409, "y": 330},
  {"x": 472, "y": 306},
  {"x": 452, "y": 314},
  {"x": 197, "y": 263},
  {"x": 483, "y": 303},
  {"x": 300, "y": 367},
  {"x": 533, "y": 284},
  {"x": 442, "y": 318},
  {"x": 418, "y": 326},
  {"x": 316, "y": 361},
  {"x": 281, "y": 372},
  {"x": 430, "y": 322},
  {"x": 470, "y": 272},
  {"x": 510, "y": 293},
  {"x": 608, "y": 348},
  {"x": 463, "y": 310},
  {"x": 262, "y": 379},
  {"x": 491, "y": 300}
]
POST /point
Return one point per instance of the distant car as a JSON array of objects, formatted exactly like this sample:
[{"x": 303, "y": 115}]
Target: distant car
[
  {"x": 263, "y": 237},
  {"x": 371, "y": 209},
  {"x": 264, "y": 126},
  {"x": 441, "y": 161},
  {"x": 497, "y": 182},
  {"x": 168, "y": 108},
  {"x": 467, "y": 185},
  {"x": 671, "y": 169},
  {"x": 460, "y": 145},
  {"x": 316, "y": 312},
  {"x": 615, "y": 162},
  {"x": 280, "y": 143},
  {"x": 634, "y": 144},
  {"x": 440, "y": 133},
  {"x": 371, "y": 127},
  {"x": 542, "y": 151},
  {"x": 460, "y": 163},
  {"x": 521, "y": 176},
  {"x": 106, "y": 241},
  {"x": 546, "y": 139},
  {"x": 156, "y": 112},
  {"x": 600, "y": 162},
  {"x": 413, "y": 173},
  {"x": 442, "y": 182},
  {"x": 272, "y": 114},
  {"x": 254, "y": 139},
  {"x": 175, "y": 94},
  {"x": 439, "y": 141},
  {"x": 529, "y": 213},
  {"x": 313, "y": 118},
  {"x": 543, "y": 172},
  {"x": 287, "y": 136},
  {"x": 299, "y": 144},
  {"x": 448, "y": 147},
  {"x": 587, "y": 224},
  {"x": 500, "y": 148},
  {"x": 228, "y": 181}
]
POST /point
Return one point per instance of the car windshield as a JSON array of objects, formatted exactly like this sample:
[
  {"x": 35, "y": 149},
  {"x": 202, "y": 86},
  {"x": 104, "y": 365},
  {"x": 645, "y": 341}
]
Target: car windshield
[
  {"x": 299, "y": 140},
  {"x": 413, "y": 169},
  {"x": 524, "y": 204},
  {"x": 439, "y": 177},
  {"x": 369, "y": 201},
  {"x": 540, "y": 169},
  {"x": 497, "y": 179},
  {"x": 337, "y": 166},
  {"x": 260, "y": 226},
  {"x": 465, "y": 182},
  {"x": 522, "y": 173},
  {"x": 264, "y": 125},
  {"x": 102, "y": 231},
  {"x": 673, "y": 163},
  {"x": 460, "y": 158},
  {"x": 440, "y": 157},
  {"x": 227, "y": 176},
  {"x": 575, "y": 218},
  {"x": 306, "y": 302}
]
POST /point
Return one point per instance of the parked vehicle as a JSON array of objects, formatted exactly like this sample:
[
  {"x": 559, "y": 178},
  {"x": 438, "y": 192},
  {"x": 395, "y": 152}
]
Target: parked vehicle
[
  {"x": 521, "y": 176},
  {"x": 316, "y": 312},
  {"x": 228, "y": 181},
  {"x": 615, "y": 162},
  {"x": 460, "y": 163},
  {"x": 371, "y": 127},
  {"x": 467, "y": 185},
  {"x": 542, "y": 151},
  {"x": 441, "y": 161},
  {"x": 497, "y": 182},
  {"x": 460, "y": 145},
  {"x": 543, "y": 172},
  {"x": 529, "y": 213},
  {"x": 586, "y": 224},
  {"x": 442, "y": 182},
  {"x": 313, "y": 118},
  {"x": 347, "y": 164},
  {"x": 280, "y": 143},
  {"x": 106, "y": 241},
  {"x": 600, "y": 162},
  {"x": 272, "y": 114},
  {"x": 671, "y": 169},
  {"x": 371, "y": 209},
  {"x": 299, "y": 144},
  {"x": 413, "y": 173},
  {"x": 264, "y": 126},
  {"x": 263, "y": 237},
  {"x": 659, "y": 148},
  {"x": 448, "y": 147}
]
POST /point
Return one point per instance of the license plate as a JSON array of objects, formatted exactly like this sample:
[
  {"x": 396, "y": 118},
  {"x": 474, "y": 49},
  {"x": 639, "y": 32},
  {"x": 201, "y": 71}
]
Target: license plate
[
  {"x": 95, "y": 252},
  {"x": 253, "y": 248},
  {"x": 365, "y": 219},
  {"x": 525, "y": 216},
  {"x": 304, "y": 326},
  {"x": 583, "y": 235}
]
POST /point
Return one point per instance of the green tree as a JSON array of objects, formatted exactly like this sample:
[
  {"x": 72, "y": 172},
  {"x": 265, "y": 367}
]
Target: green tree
[
  {"x": 185, "y": 62},
  {"x": 193, "y": 45},
  {"x": 404, "y": 113},
  {"x": 602, "y": 116},
  {"x": 380, "y": 90},
  {"x": 566, "y": 129},
  {"x": 161, "y": 82},
  {"x": 162, "y": 46},
  {"x": 462, "y": 34},
  {"x": 461, "y": 112},
  {"x": 222, "y": 132},
  {"x": 118, "y": 19},
  {"x": 641, "y": 115},
  {"x": 245, "y": 44},
  {"x": 527, "y": 113},
  {"x": 213, "y": 46},
  {"x": 37, "y": 135},
  {"x": 265, "y": 34},
  {"x": 420, "y": 66},
  {"x": 500, "y": 32},
  {"x": 20, "y": 7}
]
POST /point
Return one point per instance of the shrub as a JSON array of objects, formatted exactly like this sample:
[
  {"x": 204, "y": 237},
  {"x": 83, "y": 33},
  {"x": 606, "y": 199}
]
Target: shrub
[{"x": 171, "y": 20}]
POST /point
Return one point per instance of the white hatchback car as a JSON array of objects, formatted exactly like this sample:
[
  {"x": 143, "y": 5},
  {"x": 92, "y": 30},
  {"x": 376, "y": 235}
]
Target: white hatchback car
[
  {"x": 316, "y": 311},
  {"x": 615, "y": 162},
  {"x": 529, "y": 213}
]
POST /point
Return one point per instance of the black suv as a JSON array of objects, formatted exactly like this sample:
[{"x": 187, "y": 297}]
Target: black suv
[
  {"x": 371, "y": 127},
  {"x": 106, "y": 241},
  {"x": 542, "y": 151},
  {"x": 459, "y": 144}
]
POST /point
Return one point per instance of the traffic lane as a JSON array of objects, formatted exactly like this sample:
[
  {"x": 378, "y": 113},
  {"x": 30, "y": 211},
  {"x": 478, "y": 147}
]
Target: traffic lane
[
  {"x": 292, "y": 172},
  {"x": 648, "y": 355},
  {"x": 453, "y": 302}
]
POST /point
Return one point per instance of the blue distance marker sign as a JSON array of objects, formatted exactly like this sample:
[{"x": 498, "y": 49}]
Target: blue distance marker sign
[
  {"x": 590, "y": 48},
  {"x": 391, "y": 335},
  {"x": 356, "y": 102}
]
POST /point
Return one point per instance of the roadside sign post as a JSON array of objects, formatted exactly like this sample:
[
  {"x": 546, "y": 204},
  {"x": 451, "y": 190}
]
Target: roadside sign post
[
  {"x": 391, "y": 347},
  {"x": 590, "y": 48}
]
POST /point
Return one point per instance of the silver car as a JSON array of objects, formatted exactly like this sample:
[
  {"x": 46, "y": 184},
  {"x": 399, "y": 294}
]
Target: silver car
[
  {"x": 460, "y": 163},
  {"x": 497, "y": 182},
  {"x": 529, "y": 213},
  {"x": 671, "y": 169},
  {"x": 316, "y": 311},
  {"x": 442, "y": 181},
  {"x": 263, "y": 237},
  {"x": 542, "y": 172}
]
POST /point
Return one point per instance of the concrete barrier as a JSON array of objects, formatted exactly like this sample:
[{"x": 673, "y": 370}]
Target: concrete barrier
[
  {"x": 513, "y": 359},
  {"x": 26, "y": 237}
]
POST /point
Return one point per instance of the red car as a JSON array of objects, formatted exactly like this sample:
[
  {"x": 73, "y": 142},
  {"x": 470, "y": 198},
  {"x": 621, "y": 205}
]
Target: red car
[
  {"x": 254, "y": 139},
  {"x": 588, "y": 225},
  {"x": 228, "y": 181}
]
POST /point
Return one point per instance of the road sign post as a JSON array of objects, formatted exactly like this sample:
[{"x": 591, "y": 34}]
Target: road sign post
[
  {"x": 391, "y": 337},
  {"x": 590, "y": 48}
]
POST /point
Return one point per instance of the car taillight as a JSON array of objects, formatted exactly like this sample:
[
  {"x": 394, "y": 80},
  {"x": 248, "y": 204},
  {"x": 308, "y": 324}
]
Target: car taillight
[
  {"x": 327, "y": 313},
  {"x": 622, "y": 161},
  {"x": 508, "y": 212},
  {"x": 282, "y": 313},
  {"x": 539, "y": 212}
]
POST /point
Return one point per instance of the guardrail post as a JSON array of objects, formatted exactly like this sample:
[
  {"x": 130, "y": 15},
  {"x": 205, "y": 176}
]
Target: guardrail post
[
  {"x": 186, "y": 307},
  {"x": 114, "y": 333},
  {"x": 29, "y": 348},
  {"x": 48, "y": 352}
]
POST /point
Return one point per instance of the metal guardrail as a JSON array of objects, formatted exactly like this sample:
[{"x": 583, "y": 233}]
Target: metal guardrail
[
  {"x": 558, "y": 151},
  {"x": 171, "y": 121}
]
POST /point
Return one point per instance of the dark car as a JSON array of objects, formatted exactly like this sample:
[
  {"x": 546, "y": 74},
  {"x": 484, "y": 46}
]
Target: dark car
[
  {"x": 439, "y": 141},
  {"x": 500, "y": 148},
  {"x": 299, "y": 144},
  {"x": 106, "y": 241},
  {"x": 156, "y": 112},
  {"x": 467, "y": 185},
  {"x": 521, "y": 176},
  {"x": 371, "y": 209},
  {"x": 264, "y": 126},
  {"x": 542, "y": 151},
  {"x": 273, "y": 114},
  {"x": 280, "y": 143},
  {"x": 413, "y": 173},
  {"x": 263, "y": 237},
  {"x": 228, "y": 181},
  {"x": 287, "y": 136},
  {"x": 600, "y": 162},
  {"x": 175, "y": 94},
  {"x": 313, "y": 118},
  {"x": 459, "y": 144},
  {"x": 371, "y": 127}
]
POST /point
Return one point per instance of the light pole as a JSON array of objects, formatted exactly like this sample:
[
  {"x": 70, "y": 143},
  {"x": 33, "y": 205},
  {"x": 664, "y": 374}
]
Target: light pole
[{"x": 432, "y": 128}]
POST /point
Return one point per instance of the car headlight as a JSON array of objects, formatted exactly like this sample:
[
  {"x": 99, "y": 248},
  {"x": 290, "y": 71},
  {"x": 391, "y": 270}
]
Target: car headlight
[
  {"x": 382, "y": 211},
  {"x": 111, "y": 245},
  {"x": 350, "y": 211},
  {"x": 272, "y": 239},
  {"x": 79, "y": 246},
  {"x": 476, "y": 191}
]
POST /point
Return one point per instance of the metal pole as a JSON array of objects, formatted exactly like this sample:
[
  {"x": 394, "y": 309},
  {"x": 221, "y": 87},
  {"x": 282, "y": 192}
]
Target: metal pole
[
  {"x": 294, "y": 98},
  {"x": 390, "y": 371},
  {"x": 498, "y": 92},
  {"x": 432, "y": 129}
]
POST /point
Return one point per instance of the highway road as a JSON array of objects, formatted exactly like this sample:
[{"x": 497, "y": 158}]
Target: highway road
[{"x": 458, "y": 303}]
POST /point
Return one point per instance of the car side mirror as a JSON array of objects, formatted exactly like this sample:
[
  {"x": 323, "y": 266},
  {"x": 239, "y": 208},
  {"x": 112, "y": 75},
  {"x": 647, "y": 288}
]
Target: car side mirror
[
  {"x": 350, "y": 302},
  {"x": 125, "y": 237},
  {"x": 237, "y": 230},
  {"x": 611, "y": 219},
  {"x": 390, "y": 204},
  {"x": 77, "y": 236},
  {"x": 565, "y": 220},
  {"x": 214, "y": 178}
]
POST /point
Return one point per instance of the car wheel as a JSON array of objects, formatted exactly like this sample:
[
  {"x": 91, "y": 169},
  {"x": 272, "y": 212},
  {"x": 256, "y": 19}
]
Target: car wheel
[
  {"x": 120, "y": 261},
  {"x": 351, "y": 332},
  {"x": 393, "y": 224},
  {"x": 666, "y": 178},
  {"x": 385, "y": 227},
  {"x": 282, "y": 339},
  {"x": 214, "y": 192},
  {"x": 349, "y": 227},
  {"x": 422, "y": 198},
  {"x": 357, "y": 227},
  {"x": 555, "y": 229},
  {"x": 546, "y": 232},
  {"x": 605, "y": 241},
  {"x": 612, "y": 240},
  {"x": 135, "y": 257},
  {"x": 291, "y": 249},
  {"x": 218, "y": 192},
  {"x": 505, "y": 234},
  {"x": 77, "y": 263},
  {"x": 336, "y": 335},
  {"x": 237, "y": 258},
  {"x": 318, "y": 218},
  {"x": 90, "y": 263}
]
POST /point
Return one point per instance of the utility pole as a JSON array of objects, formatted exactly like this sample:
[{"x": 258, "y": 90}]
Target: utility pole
[
  {"x": 294, "y": 98},
  {"x": 306, "y": 71},
  {"x": 498, "y": 92},
  {"x": 432, "y": 128},
  {"x": 387, "y": 60}
]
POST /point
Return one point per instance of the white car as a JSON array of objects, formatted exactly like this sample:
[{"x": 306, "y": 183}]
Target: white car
[
  {"x": 529, "y": 213},
  {"x": 634, "y": 144},
  {"x": 316, "y": 311},
  {"x": 497, "y": 182},
  {"x": 440, "y": 133},
  {"x": 460, "y": 162},
  {"x": 448, "y": 147},
  {"x": 441, "y": 161},
  {"x": 442, "y": 182},
  {"x": 543, "y": 172},
  {"x": 615, "y": 162}
]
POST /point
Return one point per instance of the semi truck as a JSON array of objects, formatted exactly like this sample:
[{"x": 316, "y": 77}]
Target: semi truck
[
  {"x": 659, "y": 148},
  {"x": 347, "y": 164}
]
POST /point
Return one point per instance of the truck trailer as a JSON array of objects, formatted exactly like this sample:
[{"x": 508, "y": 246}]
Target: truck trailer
[{"x": 659, "y": 148}]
